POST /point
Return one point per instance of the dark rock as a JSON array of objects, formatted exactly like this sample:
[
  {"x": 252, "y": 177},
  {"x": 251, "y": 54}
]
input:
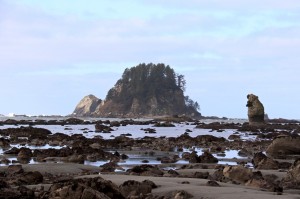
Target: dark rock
[
  {"x": 193, "y": 157},
  {"x": 256, "y": 111},
  {"x": 261, "y": 161},
  {"x": 3, "y": 184},
  {"x": 29, "y": 132},
  {"x": 292, "y": 178},
  {"x": 149, "y": 130},
  {"x": 17, "y": 193},
  {"x": 109, "y": 167},
  {"x": 102, "y": 128},
  {"x": 24, "y": 155},
  {"x": 31, "y": 178},
  {"x": 86, "y": 188},
  {"x": 173, "y": 173},
  {"x": 164, "y": 124},
  {"x": 134, "y": 188},
  {"x": 212, "y": 183},
  {"x": 169, "y": 159},
  {"x": 207, "y": 157},
  {"x": 4, "y": 143},
  {"x": 234, "y": 137},
  {"x": 5, "y": 161},
  {"x": 149, "y": 182},
  {"x": 14, "y": 169},
  {"x": 146, "y": 170},
  {"x": 74, "y": 121},
  {"x": 208, "y": 139},
  {"x": 201, "y": 175},
  {"x": 283, "y": 146}
]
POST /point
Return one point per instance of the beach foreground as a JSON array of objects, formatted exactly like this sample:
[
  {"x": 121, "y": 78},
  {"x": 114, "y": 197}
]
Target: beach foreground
[
  {"x": 175, "y": 159},
  {"x": 198, "y": 188}
]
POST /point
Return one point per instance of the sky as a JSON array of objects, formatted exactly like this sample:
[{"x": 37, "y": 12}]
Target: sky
[{"x": 55, "y": 52}]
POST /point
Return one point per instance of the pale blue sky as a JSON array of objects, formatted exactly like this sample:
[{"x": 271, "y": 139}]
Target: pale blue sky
[{"x": 54, "y": 52}]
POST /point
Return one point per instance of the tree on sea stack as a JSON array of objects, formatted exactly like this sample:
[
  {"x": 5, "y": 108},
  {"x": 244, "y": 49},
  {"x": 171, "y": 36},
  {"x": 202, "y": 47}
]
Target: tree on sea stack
[{"x": 148, "y": 90}]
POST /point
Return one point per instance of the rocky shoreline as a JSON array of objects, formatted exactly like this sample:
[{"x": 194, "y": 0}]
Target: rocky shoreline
[{"x": 270, "y": 165}]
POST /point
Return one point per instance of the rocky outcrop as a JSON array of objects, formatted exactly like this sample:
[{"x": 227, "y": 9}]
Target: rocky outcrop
[
  {"x": 256, "y": 111},
  {"x": 284, "y": 145},
  {"x": 143, "y": 91},
  {"x": 238, "y": 173},
  {"x": 292, "y": 178},
  {"x": 261, "y": 161},
  {"x": 85, "y": 188},
  {"x": 134, "y": 188},
  {"x": 87, "y": 106},
  {"x": 206, "y": 157}
]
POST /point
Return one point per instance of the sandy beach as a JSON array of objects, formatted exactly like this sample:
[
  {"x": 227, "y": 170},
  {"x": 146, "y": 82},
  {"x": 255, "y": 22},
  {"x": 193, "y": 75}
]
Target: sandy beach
[{"x": 196, "y": 187}]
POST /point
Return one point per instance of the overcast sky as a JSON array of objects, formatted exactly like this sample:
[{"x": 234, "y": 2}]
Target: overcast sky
[{"x": 54, "y": 52}]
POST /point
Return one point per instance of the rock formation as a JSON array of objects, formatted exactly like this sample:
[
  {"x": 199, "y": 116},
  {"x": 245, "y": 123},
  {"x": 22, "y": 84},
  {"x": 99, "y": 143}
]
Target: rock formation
[
  {"x": 284, "y": 145},
  {"x": 87, "y": 106},
  {"x": 147, "y": 90},
  {"x": 256, "y": 111},
  {"x": 292, "y": 178}
]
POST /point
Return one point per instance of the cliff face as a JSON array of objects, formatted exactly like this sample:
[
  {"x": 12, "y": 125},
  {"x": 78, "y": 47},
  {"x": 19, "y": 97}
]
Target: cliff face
[
  {"x": 87, "y": 106},
  {"x": 172, "y": 103},
  {"x": 143, "y": 91}
]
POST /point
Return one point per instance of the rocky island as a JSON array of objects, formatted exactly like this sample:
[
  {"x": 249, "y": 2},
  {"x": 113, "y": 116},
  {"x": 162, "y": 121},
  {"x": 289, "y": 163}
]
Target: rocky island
[{"x": 146, "y": 90}]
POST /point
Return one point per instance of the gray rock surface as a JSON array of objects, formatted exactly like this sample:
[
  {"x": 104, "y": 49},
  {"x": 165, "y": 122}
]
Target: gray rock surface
[{"x": 87, "y": 106}]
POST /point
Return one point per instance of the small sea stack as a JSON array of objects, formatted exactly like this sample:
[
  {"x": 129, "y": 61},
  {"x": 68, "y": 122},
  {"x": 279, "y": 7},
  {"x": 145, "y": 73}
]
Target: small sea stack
[{"x": 256, "y": 111}]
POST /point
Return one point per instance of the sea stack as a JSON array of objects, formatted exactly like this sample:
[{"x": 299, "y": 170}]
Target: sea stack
[
  {"x": 87, "y": 106},
  {"x": 256, "y": 111},
  {"x": 146, "y": 90}
]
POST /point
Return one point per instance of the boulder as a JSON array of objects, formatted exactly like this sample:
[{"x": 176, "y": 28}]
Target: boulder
[
  {"x": 24, "y": 155},
  {"x": 212, "y": 183},
  {"x": 261, "y": 161},
  {"x": 19, "y": 193},
  {"x": 201, "y": 175},
  {"x": 134, "y": 188},
  {"x": 85, "y": 188},
  {"x": 102, "y": 128},
  {"x": 4, "y": 143},
  {"x": 14, "y": 169},
  {"x": 284, "y": 145},
  {"x": 238, "y": 173},
  {"x": 256, "y": 111},
  {"x": 172, "y": 159},
  {"x": 193, "y": 157},
  {"x": 110, "y": 167},
  {"x": 292, "y": 178},
  {"x": 206, "y": 157},
  {"x": 30, "y": 177},
  {"x": 146, "y": 170},
  {"x": 75, "y": 159},
  {"x": 29, "y": 132}
]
